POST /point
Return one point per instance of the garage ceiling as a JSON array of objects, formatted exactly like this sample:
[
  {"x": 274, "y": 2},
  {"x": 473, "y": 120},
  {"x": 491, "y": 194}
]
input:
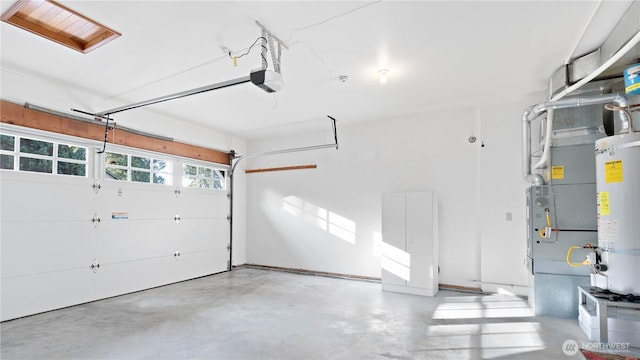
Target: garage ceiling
[{"x": 440, "y": 54}]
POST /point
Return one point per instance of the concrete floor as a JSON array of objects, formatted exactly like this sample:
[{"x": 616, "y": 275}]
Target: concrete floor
[{"x": 259, "y": 314}]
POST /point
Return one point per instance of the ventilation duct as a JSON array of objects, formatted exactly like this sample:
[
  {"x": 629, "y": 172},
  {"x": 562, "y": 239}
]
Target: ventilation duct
[
  {"x": 536, "y": 111},
  {"x": 621, "y": 49}
]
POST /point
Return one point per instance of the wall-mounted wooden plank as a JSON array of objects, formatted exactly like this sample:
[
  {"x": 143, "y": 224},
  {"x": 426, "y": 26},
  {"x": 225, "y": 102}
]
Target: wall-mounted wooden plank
[
  {"x": 297, "y": 167},
  {"x": 11, "y": 113}
]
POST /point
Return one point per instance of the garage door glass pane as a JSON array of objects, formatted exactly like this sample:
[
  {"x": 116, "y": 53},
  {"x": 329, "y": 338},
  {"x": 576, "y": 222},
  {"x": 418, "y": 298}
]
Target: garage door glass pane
[
  {"x": 140, "y": 176},
  {"x": 72, "y": 152},
  {"x": 66, "y": 168},
  {"x": 116, "y": 174},
  {"x": 36, "y": 165},
  {"x": 30, "y": 146},
  {"x": 6, "y": 162},
  {"x": 7, "y": 142},
  {"x": 116, "y": 159},
  {"x": 140, "y": 162}
]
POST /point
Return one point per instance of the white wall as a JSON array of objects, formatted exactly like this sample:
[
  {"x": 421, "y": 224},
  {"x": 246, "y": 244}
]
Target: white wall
[
  {"x": 476, "y": 187},
  {"x": 502, "y": 191}
]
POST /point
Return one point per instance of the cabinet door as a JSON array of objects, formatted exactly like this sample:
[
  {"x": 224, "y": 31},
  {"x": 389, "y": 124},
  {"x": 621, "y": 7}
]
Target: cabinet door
[
  {"x": 419, "y": 234},
  {"x": 394, "y": 259}
]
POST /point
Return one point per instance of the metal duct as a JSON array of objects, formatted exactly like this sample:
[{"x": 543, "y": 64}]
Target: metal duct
[
  {"x": 621, "y": 49},
  {"x": 533, "y": 112}
]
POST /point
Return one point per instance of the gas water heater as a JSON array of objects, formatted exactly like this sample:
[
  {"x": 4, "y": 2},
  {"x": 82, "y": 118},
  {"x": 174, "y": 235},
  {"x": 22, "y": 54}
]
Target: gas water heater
[{"x": 618, "y": 213}]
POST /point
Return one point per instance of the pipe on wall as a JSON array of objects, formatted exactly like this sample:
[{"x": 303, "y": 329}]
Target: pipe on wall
[{"x": 547, "y": 141}]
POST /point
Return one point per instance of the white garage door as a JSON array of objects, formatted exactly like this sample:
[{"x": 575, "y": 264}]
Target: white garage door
[{"x": 69, "y": 239}]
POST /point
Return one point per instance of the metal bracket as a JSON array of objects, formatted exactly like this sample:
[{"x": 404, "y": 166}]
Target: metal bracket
[
  {"x": 177, "y": 219},
  {"x": 177, "y": 192},
  {"x": 96, "y": 187},
  {"x": 95, "y": 220},
  {"x": 95, "y": 266},
  {"x": 268, "y": 40},
  {"x": 176, "y": 254}
]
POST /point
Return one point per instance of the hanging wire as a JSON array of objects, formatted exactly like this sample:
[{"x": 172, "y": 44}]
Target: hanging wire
[
  {"x": 106, "y": 134},
  {"x": 263, "y": 53},
  {"x": 236, "y": 57}
]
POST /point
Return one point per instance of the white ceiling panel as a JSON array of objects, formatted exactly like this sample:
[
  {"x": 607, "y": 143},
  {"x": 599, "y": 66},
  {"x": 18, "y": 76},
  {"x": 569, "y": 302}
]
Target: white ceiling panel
[{"x": 439, "y": 54}]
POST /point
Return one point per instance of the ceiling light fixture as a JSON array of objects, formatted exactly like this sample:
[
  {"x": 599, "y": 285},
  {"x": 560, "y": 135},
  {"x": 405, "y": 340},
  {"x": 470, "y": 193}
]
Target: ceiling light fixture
[{"x": 383, "y": 76}]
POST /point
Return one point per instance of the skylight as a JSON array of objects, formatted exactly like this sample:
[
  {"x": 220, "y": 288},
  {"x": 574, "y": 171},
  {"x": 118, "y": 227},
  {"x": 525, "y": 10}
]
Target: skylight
[{"x": 57, "y": 23}]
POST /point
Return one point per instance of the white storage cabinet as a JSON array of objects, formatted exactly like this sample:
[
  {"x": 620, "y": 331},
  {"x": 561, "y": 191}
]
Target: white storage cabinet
[{"x": 410, "y": 243}]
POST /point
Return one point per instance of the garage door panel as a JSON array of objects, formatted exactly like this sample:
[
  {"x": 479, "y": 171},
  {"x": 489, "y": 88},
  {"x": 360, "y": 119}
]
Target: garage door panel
[
  {"x": 128, "y": 240},
  {"x": 23, "y": 201},
  {"x": 204, "y": 203},
  {"x": 30, "y": 248},
  {"x": 127, "y": 277},
  {"x": 130, "y": 276},
  {"x": 138, "y": 203},
  {"x": 27, "y": 295},
  {"x": 206, "y": 244},
  {"x": 202, "y": 234},
  {"x": 202, "y": 263}
]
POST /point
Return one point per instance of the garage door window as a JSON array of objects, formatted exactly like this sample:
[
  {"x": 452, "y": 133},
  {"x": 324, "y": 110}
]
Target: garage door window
[
  {"x": 42, "y": 156},
  {"x": 72, "y": 160},
  {"x": 205, "y": 177},
  {"x": 7, "y": 152},
  {"x": 137, "y": 168}
]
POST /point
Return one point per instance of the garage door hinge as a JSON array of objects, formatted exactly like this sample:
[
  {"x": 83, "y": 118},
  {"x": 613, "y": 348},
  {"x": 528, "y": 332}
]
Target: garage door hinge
[
  {"x": 95, "y": 220},
  {"x": 95, "y": 266},
  {"x": 96, "y": 187}
]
